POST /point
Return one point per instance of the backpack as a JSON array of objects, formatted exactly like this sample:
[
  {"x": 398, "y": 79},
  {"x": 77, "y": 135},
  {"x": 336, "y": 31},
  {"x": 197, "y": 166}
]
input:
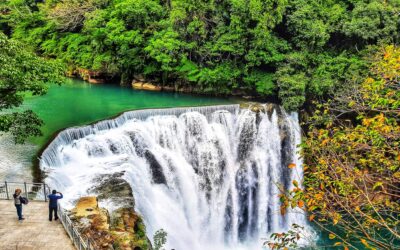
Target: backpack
[{"x": 24, "y": 200}]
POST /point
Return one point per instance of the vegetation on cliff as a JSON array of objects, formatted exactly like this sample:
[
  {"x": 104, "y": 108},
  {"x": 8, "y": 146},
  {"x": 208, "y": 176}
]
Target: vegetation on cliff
[
  {"x": 352, "y": 155},
  {"x": 297, "y": 50}
]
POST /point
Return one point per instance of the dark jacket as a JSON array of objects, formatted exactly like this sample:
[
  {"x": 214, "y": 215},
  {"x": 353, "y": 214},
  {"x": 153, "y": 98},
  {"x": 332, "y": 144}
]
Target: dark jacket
[{"x": 53, "y": 198}]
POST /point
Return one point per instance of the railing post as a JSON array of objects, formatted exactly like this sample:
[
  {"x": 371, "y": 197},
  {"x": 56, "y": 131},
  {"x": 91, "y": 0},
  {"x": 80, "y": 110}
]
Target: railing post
[
  {"x": 8, "y": 197},
  {"x": 26, "y": 193},
  {"x": 44, "y": 192}
]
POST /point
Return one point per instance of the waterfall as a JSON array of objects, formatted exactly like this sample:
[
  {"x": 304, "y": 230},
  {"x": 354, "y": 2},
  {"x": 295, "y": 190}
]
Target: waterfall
[{"x": 208, "y": 176}]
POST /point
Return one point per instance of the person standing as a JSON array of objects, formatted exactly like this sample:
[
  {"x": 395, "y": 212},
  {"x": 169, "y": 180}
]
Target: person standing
[
  {"x": 53, "y": 204},
  {"x": 18, "y": 203}
]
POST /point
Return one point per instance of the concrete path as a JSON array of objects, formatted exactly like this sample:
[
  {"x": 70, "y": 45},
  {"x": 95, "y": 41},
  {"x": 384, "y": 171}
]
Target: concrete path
[{"x": 36, "y": 232}]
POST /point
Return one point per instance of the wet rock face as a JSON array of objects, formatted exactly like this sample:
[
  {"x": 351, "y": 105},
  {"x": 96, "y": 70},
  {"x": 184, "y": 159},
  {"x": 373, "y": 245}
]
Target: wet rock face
[
  {"x": 114, "y": 188},
  {"x": 122, "y": 229},
  {"x": 128, "y": 230}
]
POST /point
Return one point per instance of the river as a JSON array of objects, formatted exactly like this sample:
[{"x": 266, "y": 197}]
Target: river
[{"x": 76, "y": 103}]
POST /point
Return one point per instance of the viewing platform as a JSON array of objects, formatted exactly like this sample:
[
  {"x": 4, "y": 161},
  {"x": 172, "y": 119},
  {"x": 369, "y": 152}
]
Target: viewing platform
[{"x": 36, "y": 232}]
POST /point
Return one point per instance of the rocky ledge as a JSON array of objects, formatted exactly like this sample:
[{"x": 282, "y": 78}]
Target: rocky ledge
[{"x": 120, "y": 228}]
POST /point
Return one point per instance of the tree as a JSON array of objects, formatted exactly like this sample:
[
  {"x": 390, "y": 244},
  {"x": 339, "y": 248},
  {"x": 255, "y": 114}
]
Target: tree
[
  {"x": 159, "y": 239},
  {"x": 352, "y": 156},
  {"x": 22, "y": 72}
]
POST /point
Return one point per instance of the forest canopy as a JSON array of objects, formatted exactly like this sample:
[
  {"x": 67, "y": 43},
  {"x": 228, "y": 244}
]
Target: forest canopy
[{"x": 296, "y": 50}]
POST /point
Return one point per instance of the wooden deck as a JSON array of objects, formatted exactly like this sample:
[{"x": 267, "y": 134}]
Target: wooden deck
[{"x": 36, "y": 232}]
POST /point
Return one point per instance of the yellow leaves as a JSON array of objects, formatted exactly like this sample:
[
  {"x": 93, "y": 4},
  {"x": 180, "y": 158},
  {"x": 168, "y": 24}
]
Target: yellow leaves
[
  {"x": 365, "y": 243},
  {"x": 372, "y": 221},
  {"x": 332, "y": 236},
  {"x": 377, "y": 184},
  {"x": 397, "y": 174},
  {"x": 336, "y": 218},
  {"x": 324, "y": 142},
  {"x": 295, "y": 183},
  {"x": 367, "y": 122},
  {"x": 369, "y": 80},
  {"x": 318, "y": 196},
  {"x": 387, "y": 54},
  {"x": 292, "y": 165},
  {"x": 337, "y": 244},
  {"x": 311, "y": 218}
]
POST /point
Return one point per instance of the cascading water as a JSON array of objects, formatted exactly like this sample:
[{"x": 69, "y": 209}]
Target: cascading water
[{"x": 208, "y": 176}]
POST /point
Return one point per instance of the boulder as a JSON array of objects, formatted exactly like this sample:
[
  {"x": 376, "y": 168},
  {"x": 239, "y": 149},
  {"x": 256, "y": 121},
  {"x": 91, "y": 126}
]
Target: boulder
[
  {"x": 145, "y": 86},
  {"x": 114, "y": 188}
]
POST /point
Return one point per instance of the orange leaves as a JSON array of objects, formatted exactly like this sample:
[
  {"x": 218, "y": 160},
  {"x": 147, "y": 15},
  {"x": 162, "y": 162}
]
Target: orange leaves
[
  {"x": 336, "y": 218},
  {"x": 300, "y": 204},
  {"x": 354, "y": 164},
  {"x": 283, "y": 210},
  {"x": 318, "y": 196},
  {"x": 364, "y": 242},
  {"x": 292, "y": 165},
  {"x": 324, "y": 142}
]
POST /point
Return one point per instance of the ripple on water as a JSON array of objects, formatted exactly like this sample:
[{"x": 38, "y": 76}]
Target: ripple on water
[{"x": 15, "y": 159}]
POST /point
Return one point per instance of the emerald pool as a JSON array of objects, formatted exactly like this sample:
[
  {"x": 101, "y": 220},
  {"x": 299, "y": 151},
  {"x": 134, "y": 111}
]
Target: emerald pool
[{"x": 76, "y": 103}]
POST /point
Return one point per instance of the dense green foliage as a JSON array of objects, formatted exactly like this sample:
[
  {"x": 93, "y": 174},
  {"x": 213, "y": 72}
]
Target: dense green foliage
[
  {"x": 298, "y": 50},
  {"x": 22, "y": 71},
  {"x": 352, "y": 177}
]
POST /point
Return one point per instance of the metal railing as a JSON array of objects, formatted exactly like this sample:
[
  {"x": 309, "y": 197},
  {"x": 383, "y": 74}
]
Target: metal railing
[
  {"x": 39, "y": 192},
  {"x": 80, "y": 242},
  {"x": 32, "y": 191}
]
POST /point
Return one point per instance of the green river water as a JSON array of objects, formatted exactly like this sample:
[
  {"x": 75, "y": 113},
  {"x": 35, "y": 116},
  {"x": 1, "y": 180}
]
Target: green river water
[{"x": 77, "y": 102}]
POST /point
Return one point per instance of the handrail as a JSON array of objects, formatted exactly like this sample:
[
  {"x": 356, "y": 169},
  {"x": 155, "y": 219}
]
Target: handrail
[
  {"x": 31, "y": 190},
  {"x": 34, "y": 191}
]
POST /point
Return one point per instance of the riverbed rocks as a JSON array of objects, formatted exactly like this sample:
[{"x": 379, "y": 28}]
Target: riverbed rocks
[
  {"x": 145, "y": 86},
  {"x": 258, "y": 107}
]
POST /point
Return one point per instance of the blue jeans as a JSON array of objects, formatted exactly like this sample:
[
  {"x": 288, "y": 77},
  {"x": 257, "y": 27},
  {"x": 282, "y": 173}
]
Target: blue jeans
[{"x": 19, "y": 211}]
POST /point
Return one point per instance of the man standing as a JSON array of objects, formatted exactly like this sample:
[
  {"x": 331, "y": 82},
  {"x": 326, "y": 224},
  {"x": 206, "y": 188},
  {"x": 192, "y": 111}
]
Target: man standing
[{"x": 53, "y": 199}]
